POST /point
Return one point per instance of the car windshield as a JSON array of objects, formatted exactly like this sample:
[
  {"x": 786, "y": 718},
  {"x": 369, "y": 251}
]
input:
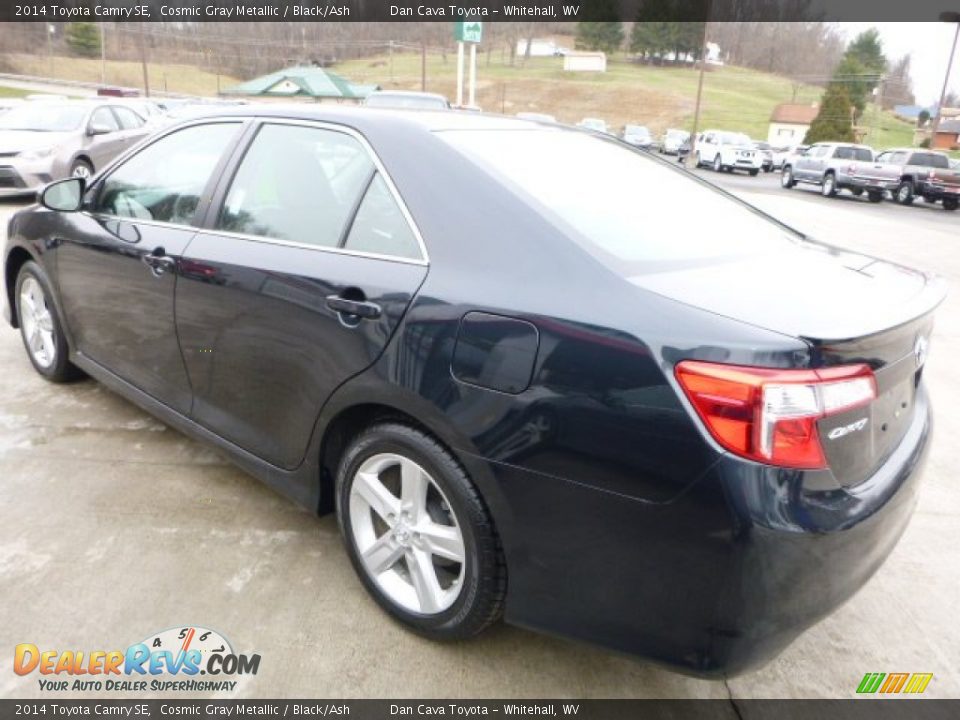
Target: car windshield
[
  {"x": 416, "y": 102},
  {"x": 735, "y": 139},
  {"x": 636, "y": 217},
  {"x": 44, "y": 117}
]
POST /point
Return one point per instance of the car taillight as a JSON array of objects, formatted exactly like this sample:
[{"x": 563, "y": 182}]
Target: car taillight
[{"x": 771, "y": 415}]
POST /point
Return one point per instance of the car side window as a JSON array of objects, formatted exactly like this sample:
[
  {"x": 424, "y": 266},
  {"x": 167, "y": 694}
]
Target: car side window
[
  {"x": 297, "y": 183},
  {"x": 129, "y": 120},
  {"x": 379, "y": 225},
  {"x": 883, "y": 157},
  {"x": 103, "y": 119},
  {"x": 164, "y": 181}
]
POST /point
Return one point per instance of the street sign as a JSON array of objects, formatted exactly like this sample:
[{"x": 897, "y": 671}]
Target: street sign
[{"x": 468, "y": 31}]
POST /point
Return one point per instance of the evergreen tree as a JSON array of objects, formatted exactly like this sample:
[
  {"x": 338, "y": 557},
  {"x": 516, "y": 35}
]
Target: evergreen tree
[
  {"x": 601, "y": 29},
  {"x": 83, "y": 38},
  {"x": 861, "y": 68},
  {"x": 833, "y": 122}
]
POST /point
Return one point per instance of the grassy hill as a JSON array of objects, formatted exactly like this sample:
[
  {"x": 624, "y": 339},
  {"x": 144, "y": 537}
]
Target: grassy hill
[
  {"x": 167, "y": 77},
  {"x": 659, "y": 97}
]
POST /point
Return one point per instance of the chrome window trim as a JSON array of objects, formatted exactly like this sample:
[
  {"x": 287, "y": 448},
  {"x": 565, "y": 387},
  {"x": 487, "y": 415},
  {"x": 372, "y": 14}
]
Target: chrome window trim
[{"x": 262, "y": 120}]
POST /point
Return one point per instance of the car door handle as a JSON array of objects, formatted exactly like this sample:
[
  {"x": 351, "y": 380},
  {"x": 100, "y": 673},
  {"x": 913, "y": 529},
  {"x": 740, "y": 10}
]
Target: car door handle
[
  {"x": 159, "y": 262},
  {"x": 360, "y": 308}
]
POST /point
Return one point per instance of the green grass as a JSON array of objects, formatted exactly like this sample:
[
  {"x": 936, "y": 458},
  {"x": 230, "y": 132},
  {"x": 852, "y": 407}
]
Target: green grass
[
  {"x": 10, "y": 92},
  {"x": 659, "y": 97}
]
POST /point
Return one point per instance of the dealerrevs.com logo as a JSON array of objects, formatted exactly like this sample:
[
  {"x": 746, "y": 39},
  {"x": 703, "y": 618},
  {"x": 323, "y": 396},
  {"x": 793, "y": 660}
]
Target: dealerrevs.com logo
[{"x": 171, "y": 660}]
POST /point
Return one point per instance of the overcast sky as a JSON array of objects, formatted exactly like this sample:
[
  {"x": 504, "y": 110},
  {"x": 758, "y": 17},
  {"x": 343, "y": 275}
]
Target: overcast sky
[{"x": 929, "y": 48}]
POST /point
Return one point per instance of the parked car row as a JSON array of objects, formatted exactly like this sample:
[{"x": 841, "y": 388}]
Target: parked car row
[{"x": 905, "y": 173}]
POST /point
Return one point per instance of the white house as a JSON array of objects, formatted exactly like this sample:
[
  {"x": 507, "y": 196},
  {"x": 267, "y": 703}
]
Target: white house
[
  {"x": 540, "y": 48},
  {"x": 789, "y": 123}
]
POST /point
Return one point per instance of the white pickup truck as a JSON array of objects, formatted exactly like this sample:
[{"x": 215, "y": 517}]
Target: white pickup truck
[{"x": 728, "y": 151}]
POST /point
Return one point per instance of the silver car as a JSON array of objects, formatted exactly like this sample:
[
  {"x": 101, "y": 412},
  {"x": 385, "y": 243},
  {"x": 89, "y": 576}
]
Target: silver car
[{"x": 41, "y": 142}]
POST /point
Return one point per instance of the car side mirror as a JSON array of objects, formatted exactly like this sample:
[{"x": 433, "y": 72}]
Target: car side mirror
[
  {"x": 63, "y": 195},
  {"x": 97, "y": 129}
]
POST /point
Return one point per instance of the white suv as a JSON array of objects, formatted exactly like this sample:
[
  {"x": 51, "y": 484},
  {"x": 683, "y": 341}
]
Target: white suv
[{"x": 728, "y": 151}]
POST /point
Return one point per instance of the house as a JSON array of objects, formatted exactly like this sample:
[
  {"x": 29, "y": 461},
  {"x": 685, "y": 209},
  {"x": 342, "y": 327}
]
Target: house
[
  {"x": 948, "y": 134},
  {"x": 585, "y": 62},
  {"x": 540, "y": 48},
  {"x": 789, "y": 123}
]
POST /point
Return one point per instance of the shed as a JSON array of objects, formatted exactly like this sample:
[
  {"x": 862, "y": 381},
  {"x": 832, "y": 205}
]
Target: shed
[{"x": 308, "y": 81}]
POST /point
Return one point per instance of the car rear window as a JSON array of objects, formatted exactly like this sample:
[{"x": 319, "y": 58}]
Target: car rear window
[
  {"x": 846, "y": 152},
  {"x": 930, "y": 160},
  {"x": 616, "y": 202}
]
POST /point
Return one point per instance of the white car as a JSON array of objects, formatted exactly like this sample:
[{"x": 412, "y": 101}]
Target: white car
[
  {"x": 594, "y": 124},
  {"x": 728, "y": 151}
]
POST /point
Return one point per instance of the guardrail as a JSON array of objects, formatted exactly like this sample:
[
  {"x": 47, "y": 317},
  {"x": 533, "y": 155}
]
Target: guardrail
[{"x": 83, "y": 84}]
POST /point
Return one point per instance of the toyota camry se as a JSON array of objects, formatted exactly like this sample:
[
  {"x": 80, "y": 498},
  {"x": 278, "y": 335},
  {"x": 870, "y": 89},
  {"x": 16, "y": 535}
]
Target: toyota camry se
[{"x": 535, "y": 372}]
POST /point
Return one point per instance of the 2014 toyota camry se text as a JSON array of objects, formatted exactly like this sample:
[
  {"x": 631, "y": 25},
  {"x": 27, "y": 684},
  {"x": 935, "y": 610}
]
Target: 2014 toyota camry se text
[{"x": 536, "y": 372}]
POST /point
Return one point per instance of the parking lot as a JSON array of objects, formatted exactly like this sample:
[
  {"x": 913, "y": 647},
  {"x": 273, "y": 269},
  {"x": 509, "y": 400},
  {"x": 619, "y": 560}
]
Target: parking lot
[{"x": 117, "y": 527}]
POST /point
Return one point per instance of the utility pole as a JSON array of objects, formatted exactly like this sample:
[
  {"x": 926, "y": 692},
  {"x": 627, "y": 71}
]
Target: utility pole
[
  {"x": 391, "y": 60},
  {"x": 423, "y": 67},
  {"x": 954, "y": 18},
  {"x": 50, "y": 31},
  {"x": 103, "y": 53},
  {"x": 143, "y": 63},
  {"x": 696, "y": 109}
]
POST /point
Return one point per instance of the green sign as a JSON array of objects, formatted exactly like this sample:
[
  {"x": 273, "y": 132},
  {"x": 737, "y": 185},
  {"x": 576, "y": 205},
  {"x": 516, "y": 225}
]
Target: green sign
[{"x": 468, "y": 31}]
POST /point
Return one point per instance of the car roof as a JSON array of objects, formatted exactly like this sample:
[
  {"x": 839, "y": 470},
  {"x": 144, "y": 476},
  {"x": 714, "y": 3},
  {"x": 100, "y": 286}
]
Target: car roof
[{"x": 358, "y": 116}]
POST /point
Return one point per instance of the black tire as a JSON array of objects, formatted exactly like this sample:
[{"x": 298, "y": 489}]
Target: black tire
[
  {"x": 81, "y": 168},
  {"x": 950, "y": 203},
  {"x": 828, "y": 188},
  {"x": 60, "y": 369},
  {"x": 786, "y": 178},
  {"x": 480, "y": 601},
  {"x": 717, "y": 163},
  {"x": 753, "y": 173},
  {"x": 857, "y": 191},
  {"x": 905, "y": 194},
  {"x": 875, "y": 196}
]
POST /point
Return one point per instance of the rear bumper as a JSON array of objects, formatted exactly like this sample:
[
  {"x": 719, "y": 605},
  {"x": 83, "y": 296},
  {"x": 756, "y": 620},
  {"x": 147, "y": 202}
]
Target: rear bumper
[
  {"x": 938, "y": 191},
  {"x": 716, "y": 582}
]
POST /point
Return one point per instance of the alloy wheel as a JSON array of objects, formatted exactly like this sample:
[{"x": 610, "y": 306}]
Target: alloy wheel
[
  {"x": 81, "y": 171},
  {"x": 406, "y": 534},
  {"x": 37, "y": 323}
]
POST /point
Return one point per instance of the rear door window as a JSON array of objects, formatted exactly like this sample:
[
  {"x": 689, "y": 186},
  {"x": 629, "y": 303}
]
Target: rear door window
[
  {"x": 380, "y": 226},
  {"x": 129, "y": 120},
  {"x": 297, "y": 183},
  {"x": 929, "y": 160},
  {"x": 164, "y": 181}
]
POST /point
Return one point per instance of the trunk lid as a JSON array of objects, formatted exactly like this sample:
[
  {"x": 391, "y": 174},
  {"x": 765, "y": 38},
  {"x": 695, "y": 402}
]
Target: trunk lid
[{"x": 850, "y": 309}]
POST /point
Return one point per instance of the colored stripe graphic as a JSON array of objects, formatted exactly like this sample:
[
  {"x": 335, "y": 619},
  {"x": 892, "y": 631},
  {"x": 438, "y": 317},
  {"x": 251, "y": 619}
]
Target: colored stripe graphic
[
  {"x": 918, "y": 683},
  {"x": 894, "y": 683},
  {"x": 870, "y": 682}
]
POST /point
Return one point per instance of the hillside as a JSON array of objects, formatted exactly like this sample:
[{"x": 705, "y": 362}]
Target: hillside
[{"x": 659, "y": 97}]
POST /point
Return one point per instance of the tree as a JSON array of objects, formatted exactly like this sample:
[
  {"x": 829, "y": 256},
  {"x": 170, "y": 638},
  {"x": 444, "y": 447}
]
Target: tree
[
  {"x": 867, "y": 49},
  {"x": 601, "y": 30},
  {"x": 833, "y": 122},
  {"x": 83, "y": 38},
  {"x": 861, "y": 68}
]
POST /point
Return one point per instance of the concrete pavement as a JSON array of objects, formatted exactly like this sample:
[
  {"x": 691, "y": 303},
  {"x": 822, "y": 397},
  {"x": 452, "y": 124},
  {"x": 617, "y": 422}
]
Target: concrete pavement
[{"x": 116, "y": 527}]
